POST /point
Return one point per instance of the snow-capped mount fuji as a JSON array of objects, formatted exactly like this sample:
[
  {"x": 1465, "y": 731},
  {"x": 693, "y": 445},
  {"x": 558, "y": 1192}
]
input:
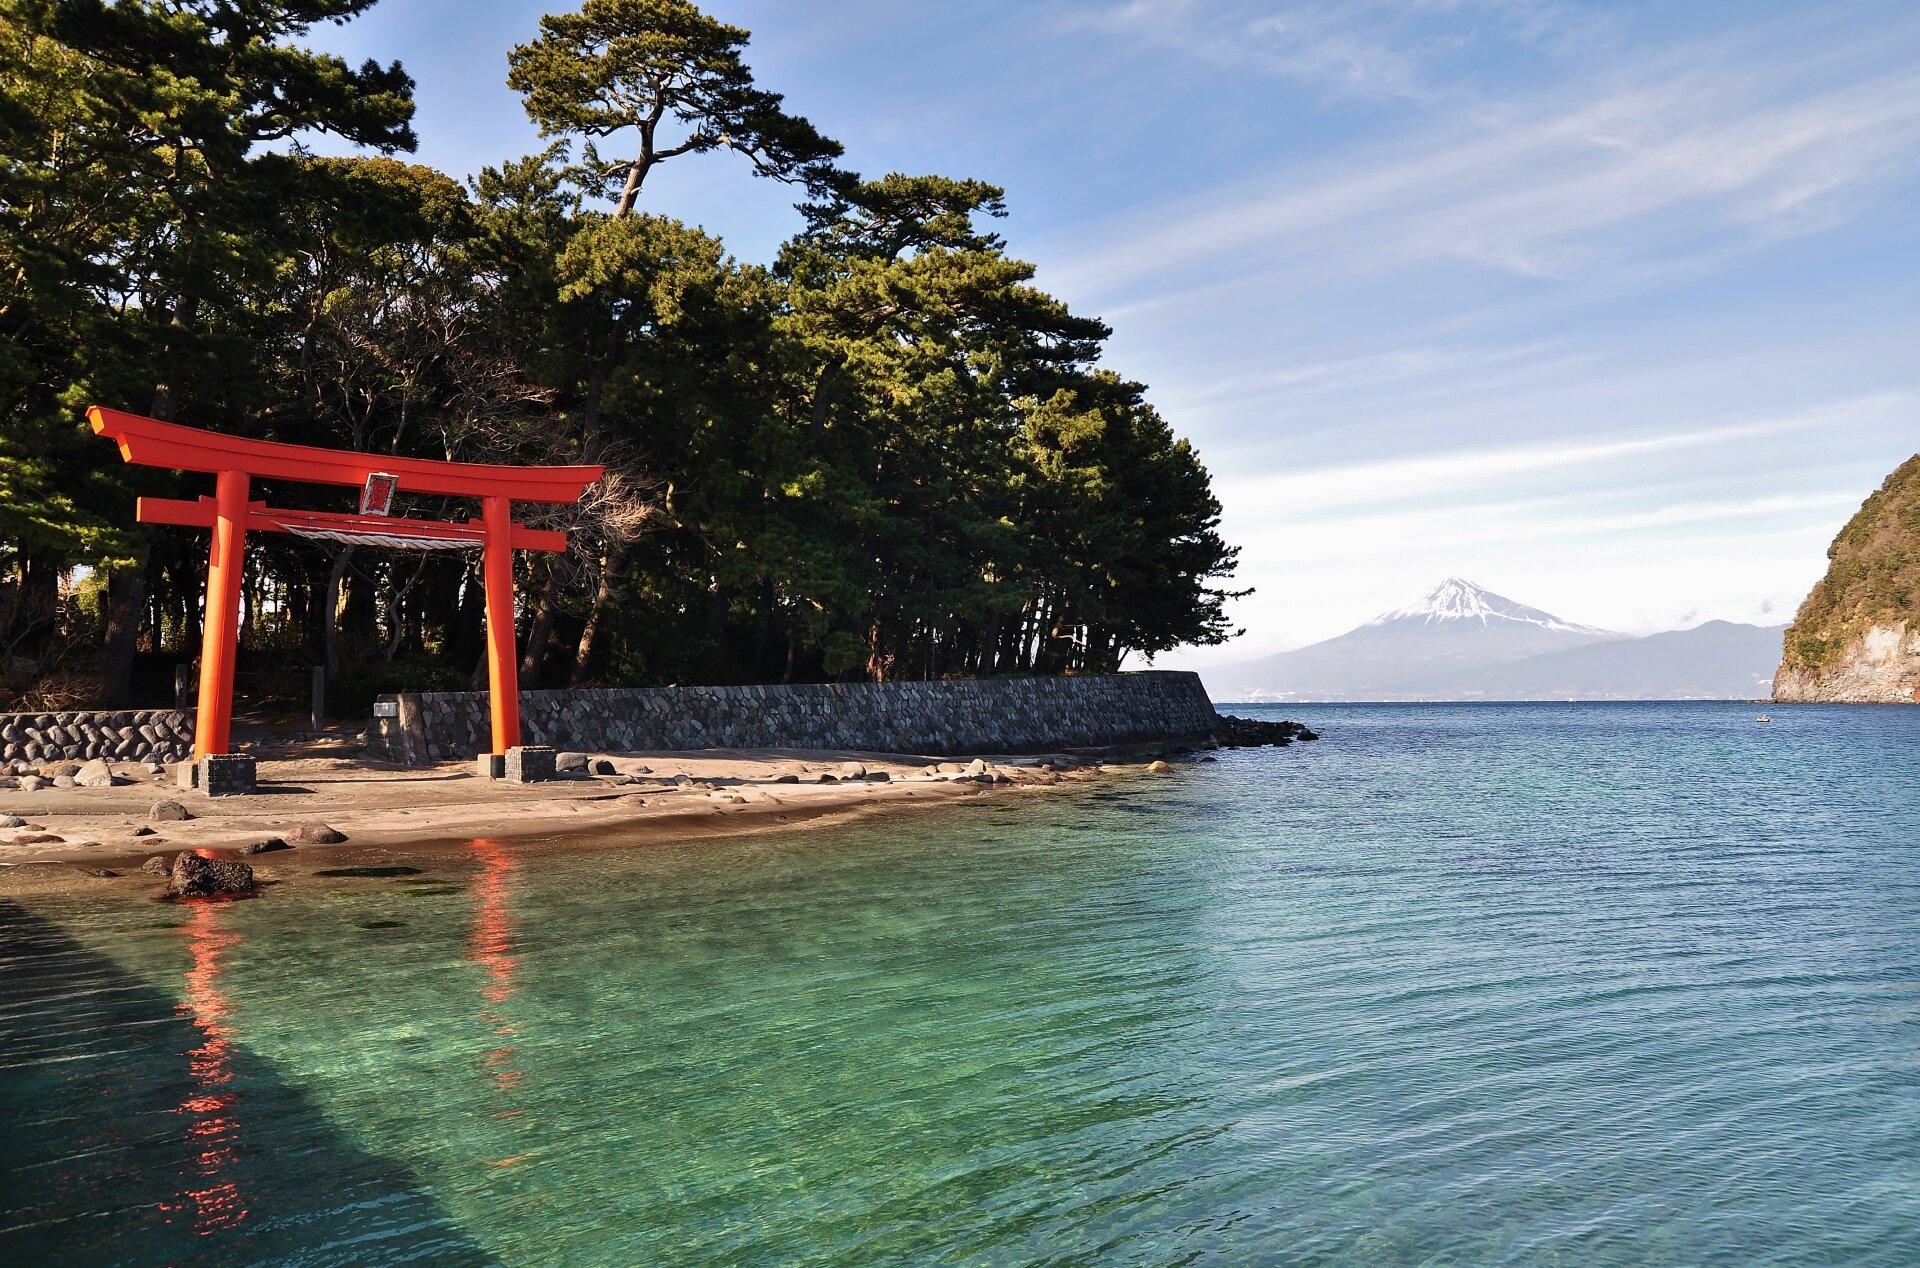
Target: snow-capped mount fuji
[
  {"x": 1458, "y": 622},
  {"x": 1457, "y": 600},
  {"x": 1410, "y": 652},
  {"x": 1460, "y": 642}
]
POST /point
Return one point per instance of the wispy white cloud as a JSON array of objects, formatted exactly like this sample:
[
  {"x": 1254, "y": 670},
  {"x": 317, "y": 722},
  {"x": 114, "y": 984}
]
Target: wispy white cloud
[
  {"x": 1416, "y": 362},
  {"x": 1465, "y": 478},
  {"x": 1537, "y": 519},
  {"x": 1664, "y": 165},
  {"x": 1369, "y": 48}
]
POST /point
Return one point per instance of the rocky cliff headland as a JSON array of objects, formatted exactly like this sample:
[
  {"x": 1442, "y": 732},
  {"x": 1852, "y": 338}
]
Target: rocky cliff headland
[{"x": 1856, "y": 639}]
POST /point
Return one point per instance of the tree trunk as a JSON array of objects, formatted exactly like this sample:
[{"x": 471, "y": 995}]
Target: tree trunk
[
  {"x": 469, "y": 621},
  {"x": 184, "y": 585},
  {"x": 879, "y": 661},
  {"x": 541, "y": 631},
  {"x": 434, "y": 616},
  {"x": 330, "y": 630},
  {"x": 589, "y": 651},
  {"x": 983, "y": 654},
  {"x": 828, "y": 372},
  {"x": 35, "y": 606},
  {"x": 126, "y": 593},
  {"x": 763, "y": 628},
  {"x": 397, "y": 608}
]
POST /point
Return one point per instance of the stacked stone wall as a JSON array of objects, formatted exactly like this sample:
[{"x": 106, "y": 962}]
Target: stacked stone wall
[
  {"x": 131, "y": 735},
  {"x": 943, "y": 718}
]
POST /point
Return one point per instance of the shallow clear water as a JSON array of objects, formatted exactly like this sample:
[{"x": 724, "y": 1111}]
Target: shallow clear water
[{"x": 1458, "y": 984}]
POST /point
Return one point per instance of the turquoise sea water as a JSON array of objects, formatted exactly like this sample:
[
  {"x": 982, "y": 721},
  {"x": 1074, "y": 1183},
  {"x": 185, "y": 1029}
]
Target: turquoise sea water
[{"x": 1588, "y": 984}]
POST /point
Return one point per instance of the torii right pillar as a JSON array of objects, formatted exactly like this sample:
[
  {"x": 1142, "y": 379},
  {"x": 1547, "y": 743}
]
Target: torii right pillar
[{"x": 503, "y": 658}]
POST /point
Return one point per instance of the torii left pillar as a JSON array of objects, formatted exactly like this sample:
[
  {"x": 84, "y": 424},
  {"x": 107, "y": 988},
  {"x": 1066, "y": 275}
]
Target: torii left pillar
[
  {"x": 216, "y": 770},
  {"x": 214, "y": 723}
]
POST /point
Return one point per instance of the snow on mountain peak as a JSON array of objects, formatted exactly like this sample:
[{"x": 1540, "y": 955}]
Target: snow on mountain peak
[{"x": 1456, "y": 599}]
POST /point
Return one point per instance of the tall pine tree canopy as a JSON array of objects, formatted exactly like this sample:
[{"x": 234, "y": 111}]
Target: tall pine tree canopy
[
  {"x": 884, "y": 453},
  {"x": 645, "y": 67}
]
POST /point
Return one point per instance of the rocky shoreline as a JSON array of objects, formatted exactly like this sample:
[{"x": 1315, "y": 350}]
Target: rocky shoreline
[
  {"x": 1881, "y": 666},
  {"x": 68, "y": 821},
  {"x": 1856, "y": 637},
  {"x": 1236, "y": 732}
]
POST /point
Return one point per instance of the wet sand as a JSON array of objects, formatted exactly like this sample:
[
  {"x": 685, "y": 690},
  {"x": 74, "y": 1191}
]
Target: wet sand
[{"x": 388, "y": 814}]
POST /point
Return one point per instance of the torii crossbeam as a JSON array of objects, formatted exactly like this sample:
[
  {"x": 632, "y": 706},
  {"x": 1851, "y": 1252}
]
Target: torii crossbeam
[{"x": 236, "y": 461}]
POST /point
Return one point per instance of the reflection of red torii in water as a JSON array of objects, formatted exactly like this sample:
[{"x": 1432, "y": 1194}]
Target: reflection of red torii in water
[
  {"x": 494, "y": 946},
  {"x": 211, "y": 1196},
  {"x": 235, "y": 461}
]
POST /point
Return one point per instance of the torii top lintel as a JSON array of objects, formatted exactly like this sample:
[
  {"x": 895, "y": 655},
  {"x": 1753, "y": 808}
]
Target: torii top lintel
[{"x": 152, "y": 443}]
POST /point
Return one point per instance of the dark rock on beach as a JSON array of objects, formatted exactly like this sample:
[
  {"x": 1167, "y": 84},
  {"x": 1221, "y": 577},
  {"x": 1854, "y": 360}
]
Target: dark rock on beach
[
  {"x": 262, "y": 847},
  {"x": 168, "y": 812},
  {"x": 196, "y": 877},
  {"x": 315, "y": 834}
]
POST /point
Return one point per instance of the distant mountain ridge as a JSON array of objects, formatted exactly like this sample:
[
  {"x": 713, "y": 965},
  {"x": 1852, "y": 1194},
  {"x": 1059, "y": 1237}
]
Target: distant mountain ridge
[{"x": 1463, "y": 642}]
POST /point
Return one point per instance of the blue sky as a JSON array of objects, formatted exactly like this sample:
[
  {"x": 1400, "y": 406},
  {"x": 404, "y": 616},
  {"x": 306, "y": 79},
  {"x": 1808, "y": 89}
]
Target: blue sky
[{"x": 1610, "y": 308}]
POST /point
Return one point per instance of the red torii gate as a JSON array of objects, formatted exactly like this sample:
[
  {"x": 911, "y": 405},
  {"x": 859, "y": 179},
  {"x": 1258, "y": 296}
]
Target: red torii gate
[{"x": 234, "y": 461}]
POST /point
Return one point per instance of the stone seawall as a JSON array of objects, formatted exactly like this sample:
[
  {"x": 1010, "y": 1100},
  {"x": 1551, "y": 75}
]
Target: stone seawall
[
  {"x": 943, "y": 718},
  {"x": 131, "y": 735}
]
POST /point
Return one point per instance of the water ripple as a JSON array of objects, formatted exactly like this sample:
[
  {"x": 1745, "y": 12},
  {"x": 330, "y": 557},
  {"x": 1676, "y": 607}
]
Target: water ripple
[{"x": 1480, "y": 984}]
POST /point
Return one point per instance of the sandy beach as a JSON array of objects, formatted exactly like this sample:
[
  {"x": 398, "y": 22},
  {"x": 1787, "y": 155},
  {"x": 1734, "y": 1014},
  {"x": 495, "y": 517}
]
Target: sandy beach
[{"x": 88, "y": 840}]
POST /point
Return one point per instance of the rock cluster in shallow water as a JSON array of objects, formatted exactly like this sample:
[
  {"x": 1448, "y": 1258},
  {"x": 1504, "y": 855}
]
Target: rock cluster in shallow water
[
  {"x": 196, "y": 877},
  {"x": 1235, "y": 732}
]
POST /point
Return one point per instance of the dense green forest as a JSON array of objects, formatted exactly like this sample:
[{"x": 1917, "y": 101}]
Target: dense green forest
[{"x": 885, "y": 453}]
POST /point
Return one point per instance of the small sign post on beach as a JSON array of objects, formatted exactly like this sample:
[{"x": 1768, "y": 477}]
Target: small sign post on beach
[{"x": 235, "y": 461}]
